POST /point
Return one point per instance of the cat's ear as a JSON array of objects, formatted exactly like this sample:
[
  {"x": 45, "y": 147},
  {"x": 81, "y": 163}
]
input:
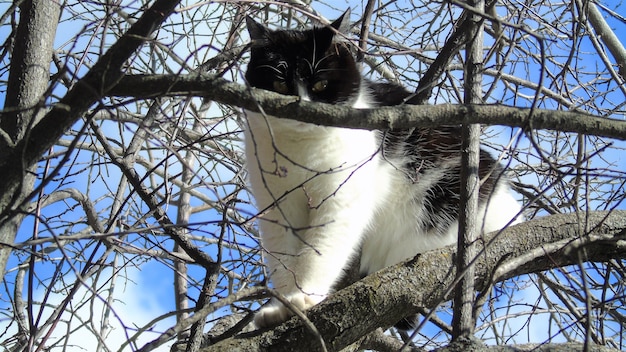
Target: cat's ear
[
  {"x": 256, "y": 30},
  {"x": 342, "y": 24}
]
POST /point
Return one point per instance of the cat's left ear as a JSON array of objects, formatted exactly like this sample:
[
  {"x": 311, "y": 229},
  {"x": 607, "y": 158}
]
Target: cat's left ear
[
  {"x": 342, "y": 24},
  {"x": 256, "y": 30}
]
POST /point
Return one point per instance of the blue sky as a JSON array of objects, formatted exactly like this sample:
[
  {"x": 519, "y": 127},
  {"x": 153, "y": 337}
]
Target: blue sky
[{"x": 146, "y": 292}]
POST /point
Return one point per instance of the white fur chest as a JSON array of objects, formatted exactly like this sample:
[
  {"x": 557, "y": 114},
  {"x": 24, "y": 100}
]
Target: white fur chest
[{"x": 288, "y": 157}]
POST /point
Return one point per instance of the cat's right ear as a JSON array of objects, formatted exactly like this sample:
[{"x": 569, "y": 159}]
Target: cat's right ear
[
  {"x": 342, "y": 24},
  {"x": 256, "y": 30}
]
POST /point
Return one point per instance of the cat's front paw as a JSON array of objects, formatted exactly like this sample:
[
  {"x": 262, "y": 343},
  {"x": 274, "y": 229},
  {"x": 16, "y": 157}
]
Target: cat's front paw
[{"x": 275, "y": 312}]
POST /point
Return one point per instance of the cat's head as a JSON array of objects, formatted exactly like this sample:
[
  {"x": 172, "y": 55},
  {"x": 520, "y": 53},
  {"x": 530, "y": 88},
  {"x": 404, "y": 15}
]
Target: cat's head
[{"x": 313, "y": 64}]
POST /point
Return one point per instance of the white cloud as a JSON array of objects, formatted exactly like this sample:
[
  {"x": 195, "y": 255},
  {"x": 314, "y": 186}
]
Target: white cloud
[{"x": 136, "y": 303}]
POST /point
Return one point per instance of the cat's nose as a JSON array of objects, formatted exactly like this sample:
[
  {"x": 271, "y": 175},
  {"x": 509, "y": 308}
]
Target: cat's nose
[{"x": 303, "y": 91}]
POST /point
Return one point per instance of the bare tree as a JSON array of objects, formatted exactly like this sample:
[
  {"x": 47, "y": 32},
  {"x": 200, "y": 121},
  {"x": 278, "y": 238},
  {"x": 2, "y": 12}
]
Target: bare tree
[{"x": 120, "y": 152}]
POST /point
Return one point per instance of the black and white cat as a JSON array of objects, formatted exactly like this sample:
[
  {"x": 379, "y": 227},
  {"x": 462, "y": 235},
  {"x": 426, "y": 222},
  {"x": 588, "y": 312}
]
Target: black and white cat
[{"x": 326, "y": 193}]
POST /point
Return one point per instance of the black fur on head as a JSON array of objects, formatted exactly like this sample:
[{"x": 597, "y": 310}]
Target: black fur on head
[{"x": 311, "y": 63}]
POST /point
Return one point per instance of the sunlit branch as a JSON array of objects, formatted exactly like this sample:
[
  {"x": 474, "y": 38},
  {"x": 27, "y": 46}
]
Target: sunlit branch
[{"x": 398, "y": 117}]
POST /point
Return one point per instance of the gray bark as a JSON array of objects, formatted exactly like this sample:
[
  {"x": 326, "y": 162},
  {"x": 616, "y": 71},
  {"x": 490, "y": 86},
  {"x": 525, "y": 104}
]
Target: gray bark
[
  {"x": 25, "y": 152},
  {"x": 608, "y": 37},
  {"x": 463, "y": 322},
  {"x": 28, "y": 80},
  {"x": 400, "y": 117},
  {"x": 381, "y": 299}
]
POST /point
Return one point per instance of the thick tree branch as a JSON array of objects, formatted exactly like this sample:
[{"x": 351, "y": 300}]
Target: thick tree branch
[
  {"x": 87, "y": 91},
  {"x": 608, "y": 37},
  {"x": 463, "y": 322},
  {"x": 30, "y": 65},
  {"x": 398, "y": 117},
  {"x": 380, "y": 299},
  {"x": 25, "y": 93}
]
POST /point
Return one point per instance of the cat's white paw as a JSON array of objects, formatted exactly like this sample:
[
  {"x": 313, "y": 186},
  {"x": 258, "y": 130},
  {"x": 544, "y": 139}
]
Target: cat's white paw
[{"x": 275, "y": 312}]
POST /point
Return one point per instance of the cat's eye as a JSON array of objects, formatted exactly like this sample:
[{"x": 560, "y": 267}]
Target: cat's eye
[
  {"x": 280, "y": 87},
  {"x": 320, "y": 86}
]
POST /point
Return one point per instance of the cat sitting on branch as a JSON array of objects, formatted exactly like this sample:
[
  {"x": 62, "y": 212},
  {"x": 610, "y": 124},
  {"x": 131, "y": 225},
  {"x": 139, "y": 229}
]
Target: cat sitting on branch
[{"x": 329, "y": 194}]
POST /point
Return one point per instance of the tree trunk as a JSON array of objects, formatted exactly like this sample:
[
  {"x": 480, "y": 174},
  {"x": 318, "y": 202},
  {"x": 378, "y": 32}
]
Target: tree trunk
[
  {"x": 28, "y": 80},
  {"x": 467, "y": 245}
]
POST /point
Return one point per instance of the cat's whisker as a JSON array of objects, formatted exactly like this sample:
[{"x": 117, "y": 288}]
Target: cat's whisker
[
  {"x": 331, "y": 70},
  {"x": 311, "y": 69},
  {"x": 322, "y": 60},
  {"x": 314, "y": 53},
  {"x": 271, "y": 68}
]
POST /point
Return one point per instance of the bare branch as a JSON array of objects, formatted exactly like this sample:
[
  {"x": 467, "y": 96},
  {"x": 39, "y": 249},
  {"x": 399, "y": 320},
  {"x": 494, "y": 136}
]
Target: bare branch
[
  {"x": 399, "y": 117},
  {"x": 87, "y": 91},
  {"x": 463, "y": 322},
  {"x": 608, "y": 37},
  {"x": 25, "y": 95},
  {"x": 378, "y": 300},
  {"x": 175, "y": 233}
]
